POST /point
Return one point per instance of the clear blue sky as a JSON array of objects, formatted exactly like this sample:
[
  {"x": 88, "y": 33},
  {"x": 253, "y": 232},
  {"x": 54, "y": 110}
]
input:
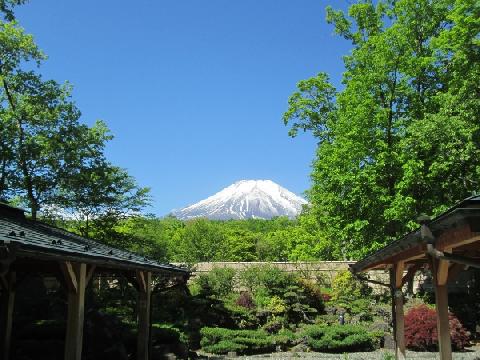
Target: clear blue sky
[{"x": 194, "y": 91}]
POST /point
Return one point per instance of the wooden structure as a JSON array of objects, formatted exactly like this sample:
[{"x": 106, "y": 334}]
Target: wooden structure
[
  {"x": 28, "y": 246},
  {"x": 446, "y": 245}
]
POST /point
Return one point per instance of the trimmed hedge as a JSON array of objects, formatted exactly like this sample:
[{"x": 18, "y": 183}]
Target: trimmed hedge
[
  {"x": 222, "y": 341},
  {"x": 340, "y": 338}
]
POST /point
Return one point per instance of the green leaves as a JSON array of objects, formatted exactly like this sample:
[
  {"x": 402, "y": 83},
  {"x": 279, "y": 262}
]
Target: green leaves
[
  {"x": 6, "y": 8},
  {"x": 311, "y": 107},
  {"x": 16, "y": 46},
  {"x": 49, "y": 159},
  {"x": 402, "y": 136}
]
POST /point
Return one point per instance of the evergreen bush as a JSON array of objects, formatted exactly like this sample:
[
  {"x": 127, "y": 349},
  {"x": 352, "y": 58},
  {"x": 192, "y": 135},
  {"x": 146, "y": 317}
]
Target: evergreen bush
[
  {"x": 222, "y": 341},
  {"x": 218, "y": 282},
  {"x": 340, "y": 338}
]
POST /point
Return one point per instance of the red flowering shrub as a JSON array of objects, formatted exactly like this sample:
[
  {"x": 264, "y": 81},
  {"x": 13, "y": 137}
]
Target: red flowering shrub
[
  {"x": 326, "y": 297},
  {"x": 421, "y": 330}
]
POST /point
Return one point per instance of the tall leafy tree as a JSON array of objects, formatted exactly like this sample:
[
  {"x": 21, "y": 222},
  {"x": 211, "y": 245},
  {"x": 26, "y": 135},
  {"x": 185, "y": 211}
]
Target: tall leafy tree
[
  {"x": 16, "y": 48},
  {"x": 101, "y": 195},
  {"x": 49, "y": 159},
  {"x": 401, "y": 137}
]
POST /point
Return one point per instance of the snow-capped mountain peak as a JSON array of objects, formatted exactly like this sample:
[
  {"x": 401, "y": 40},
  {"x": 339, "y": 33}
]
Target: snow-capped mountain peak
[{"x": 246, "y": 199}]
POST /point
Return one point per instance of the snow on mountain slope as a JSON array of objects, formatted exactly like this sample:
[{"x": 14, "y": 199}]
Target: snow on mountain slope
[{"x": 246, "y": 199}]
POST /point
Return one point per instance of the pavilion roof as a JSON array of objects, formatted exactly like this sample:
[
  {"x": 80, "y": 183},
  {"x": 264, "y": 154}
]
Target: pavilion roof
[
  {"x": 455, "y": 228},
  {"x": 38, "y": 240}
]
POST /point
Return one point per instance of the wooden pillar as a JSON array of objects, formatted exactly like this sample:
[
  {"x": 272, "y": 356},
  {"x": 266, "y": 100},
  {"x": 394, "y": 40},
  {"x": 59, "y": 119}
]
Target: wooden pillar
[
  {"x": 144, "y": 280},
  {"x": 75, "y": 276},
  {"x": 440, "y": 278},
  {"x": 399, "y": 315},
  {"x": 6, "y": 314}
]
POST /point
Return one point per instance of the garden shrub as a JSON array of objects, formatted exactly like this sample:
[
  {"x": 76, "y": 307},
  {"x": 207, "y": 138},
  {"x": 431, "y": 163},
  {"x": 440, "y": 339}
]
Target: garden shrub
[
  {"x": 218, "y": 282},
  {"x": 327, "y": 319},
  {"x": 221, "y": 341},
  {"x": 345, "y": 287},
  {"x": 421, "y": 330},
  {"x": 341, "y": 338},
  {"x": 242, "y": 310},
  {"x": 224, "y": 347},
  {"x": 168, "y": 334},
  {"x": 272, "y": 279},
  {"x": 276, "y": 306}
]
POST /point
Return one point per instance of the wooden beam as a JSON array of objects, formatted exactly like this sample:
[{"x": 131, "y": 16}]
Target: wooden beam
[
  {"x": 7, "y": 302},
  {"x": 141, "y": 280},
  {"x": 399, "y": 270},
  {"x": 76, "y": 309},
  {"x": 443, "y": 326},
  {"x": 399, "y": 314},
  {"x": 441, "y": 305},
  {"x": 456, "y": 237},
  {"x": 69, "y": 275},
  {"x": 442, "y": 270},
  {"x": 90, "y": 272},
  {"x": 144, "y": 299}
]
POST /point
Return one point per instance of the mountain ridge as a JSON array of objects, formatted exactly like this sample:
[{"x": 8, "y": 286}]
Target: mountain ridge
[{"x": 245, "y": 199}]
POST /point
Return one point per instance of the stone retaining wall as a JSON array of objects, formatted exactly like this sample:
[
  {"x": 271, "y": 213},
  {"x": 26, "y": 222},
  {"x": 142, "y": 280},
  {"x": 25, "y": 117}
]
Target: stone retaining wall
[{"x": 309, "y": 269}]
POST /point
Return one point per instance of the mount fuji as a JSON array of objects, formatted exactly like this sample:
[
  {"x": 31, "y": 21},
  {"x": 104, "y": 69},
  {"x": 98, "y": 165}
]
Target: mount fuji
[{"x": 246, "y": 199}]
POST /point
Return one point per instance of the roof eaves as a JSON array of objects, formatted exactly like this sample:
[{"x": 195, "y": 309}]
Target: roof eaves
[{"x": 445, "y": 220}]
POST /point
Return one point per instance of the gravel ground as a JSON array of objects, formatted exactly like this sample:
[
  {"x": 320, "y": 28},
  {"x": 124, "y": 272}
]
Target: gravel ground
[{"x": 471, "y": 354}]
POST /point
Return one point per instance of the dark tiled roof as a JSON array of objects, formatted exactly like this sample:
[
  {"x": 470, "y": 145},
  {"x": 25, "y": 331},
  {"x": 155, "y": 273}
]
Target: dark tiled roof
[
  {"x": 470, "y": 207},
  {"x": 35, "y": 239}
]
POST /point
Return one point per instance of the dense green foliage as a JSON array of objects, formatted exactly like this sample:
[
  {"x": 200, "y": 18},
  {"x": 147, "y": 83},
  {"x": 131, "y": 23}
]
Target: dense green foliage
[
  {"x": 401, "y": 137},
  {"x": 192, "y": 241},
  {"x": 341, "y": 338},
  {"x": 335, "y": 339},
  {"x": 222, "y": 341},
  {"x": 49, "y": 160}
]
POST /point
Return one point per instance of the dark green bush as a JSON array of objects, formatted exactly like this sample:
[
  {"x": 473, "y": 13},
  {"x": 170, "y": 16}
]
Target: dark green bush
[
  {"x": 340, "y": 338},
  {"x": 267, "y": 277},
  {"x": 243, "y": 317},
  {"x": 167, "y": 334},
  {"x": 221, "y": 341},
  {"x": 218, "y": 282},
  {"x": 224, "y": 347}
]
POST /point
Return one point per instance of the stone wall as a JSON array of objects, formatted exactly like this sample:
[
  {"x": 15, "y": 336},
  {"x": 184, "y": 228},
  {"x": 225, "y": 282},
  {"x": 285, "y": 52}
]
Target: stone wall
[{"x": 309, "y": 269}]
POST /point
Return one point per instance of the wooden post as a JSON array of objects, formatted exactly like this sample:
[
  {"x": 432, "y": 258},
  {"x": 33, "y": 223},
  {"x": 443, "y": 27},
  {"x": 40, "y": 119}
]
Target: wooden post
[
  {"x": 440, "y": 278},
  {"x": 75, "y": 276},
  {"x": 144, "y": 280},
  {"x": 399, "y": 315},
  {"x": 6, "y": 314}
]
